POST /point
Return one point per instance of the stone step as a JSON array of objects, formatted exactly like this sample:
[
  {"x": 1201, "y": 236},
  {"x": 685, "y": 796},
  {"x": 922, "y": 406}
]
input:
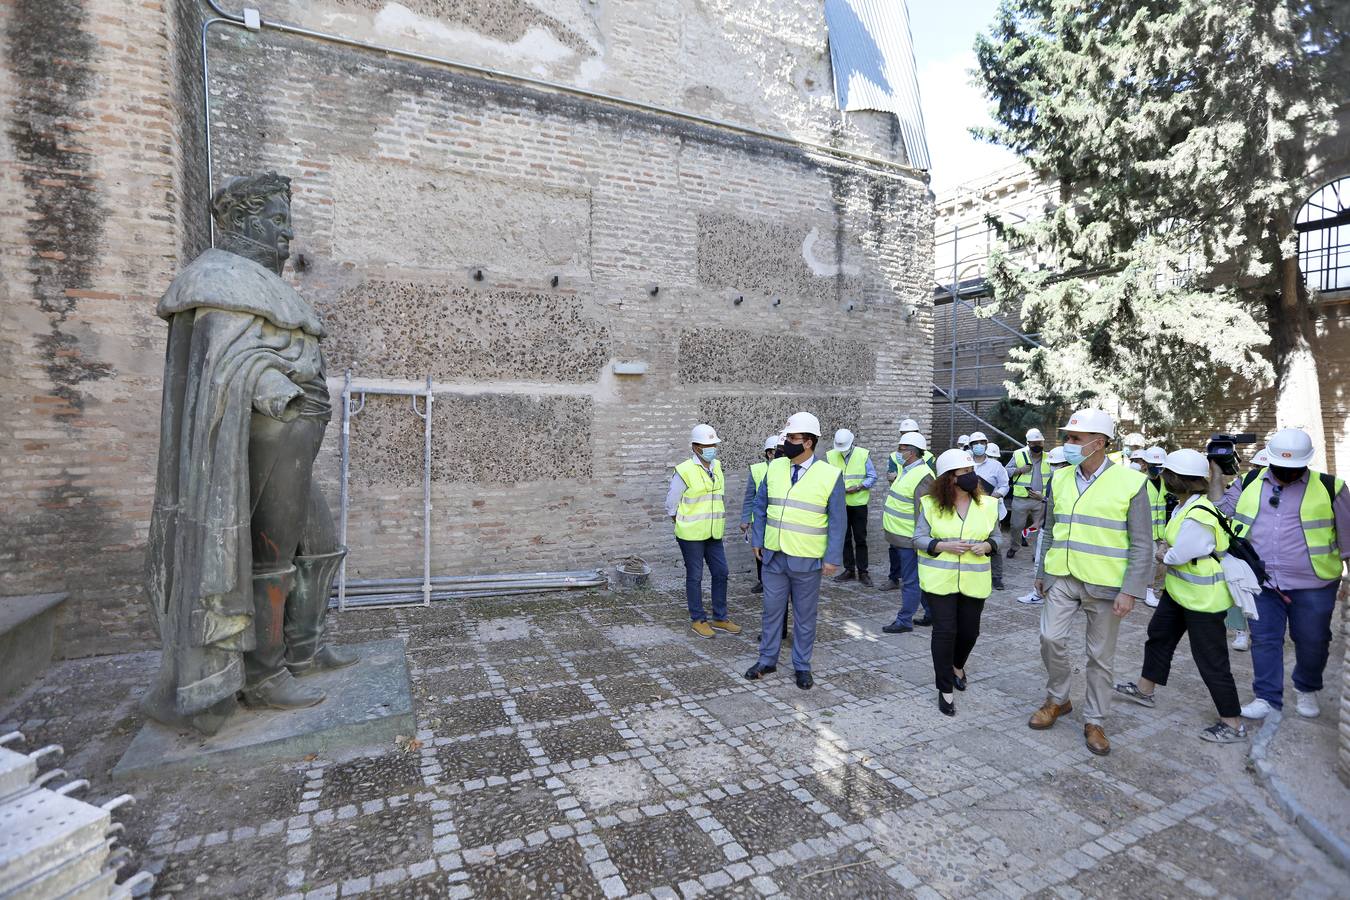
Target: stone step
[{"x": 27, "y": 636}]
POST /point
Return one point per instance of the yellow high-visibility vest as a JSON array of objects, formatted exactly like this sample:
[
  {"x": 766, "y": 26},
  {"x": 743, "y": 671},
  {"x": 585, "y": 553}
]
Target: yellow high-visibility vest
[
  {"x": 1319, "y": 522},
  {"x": 1157, "y": 497},
  {"x": 855, "y": 470},
  {"x": 757, "y": 472},
  {"x": 1091, "y": 541},
  {"x": 949, "y": 573},
  {"x": 1199, "y": 584},
  {"x": 702, "y": 511},
  {"x": 798, "y": 514},
  {"x": 901, "y": 510},
  {"x": 1021, "y": 484}
]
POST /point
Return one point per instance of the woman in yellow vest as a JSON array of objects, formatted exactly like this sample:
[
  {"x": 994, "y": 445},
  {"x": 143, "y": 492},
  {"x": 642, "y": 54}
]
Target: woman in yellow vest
[
  {"x": 955, "y": 534},
  {"x": 696, "y": 503},
  {"x": 1195, "y": 599}
]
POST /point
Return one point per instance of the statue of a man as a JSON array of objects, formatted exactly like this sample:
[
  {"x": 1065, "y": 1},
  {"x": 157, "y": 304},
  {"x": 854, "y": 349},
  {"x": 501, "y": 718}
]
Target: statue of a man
[{"x": 242, "y": 546}]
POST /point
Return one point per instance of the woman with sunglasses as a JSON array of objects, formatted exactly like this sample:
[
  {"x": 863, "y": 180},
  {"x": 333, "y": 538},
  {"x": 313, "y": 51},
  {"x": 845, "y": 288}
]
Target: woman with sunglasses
[{"x": 955, "y": 537}]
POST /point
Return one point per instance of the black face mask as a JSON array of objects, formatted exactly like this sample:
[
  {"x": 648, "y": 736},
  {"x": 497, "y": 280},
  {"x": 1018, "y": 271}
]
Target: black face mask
[
  {"x": 1154, "y": 471},
  {"x": 968, "y": 482},
  {"x": 1036, "y": 449},
  {"x": 792, "y": 451},
  {"x": 1288, "y": 474}
]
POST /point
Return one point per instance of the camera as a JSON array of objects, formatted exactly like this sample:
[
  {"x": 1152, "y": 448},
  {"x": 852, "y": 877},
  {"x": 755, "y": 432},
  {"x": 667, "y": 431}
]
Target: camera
[{"x": 1222, "y": 450}]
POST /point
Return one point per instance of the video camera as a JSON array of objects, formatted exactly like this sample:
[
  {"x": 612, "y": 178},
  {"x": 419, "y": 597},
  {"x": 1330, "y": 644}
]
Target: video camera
[{"x": 1222, "y": 450}]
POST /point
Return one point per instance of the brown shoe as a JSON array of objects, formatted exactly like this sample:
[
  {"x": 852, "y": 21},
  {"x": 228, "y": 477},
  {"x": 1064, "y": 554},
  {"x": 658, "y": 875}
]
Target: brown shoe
[
  {"x": 1044, "y": 717},
  {"x": 1096, "y": 740}
]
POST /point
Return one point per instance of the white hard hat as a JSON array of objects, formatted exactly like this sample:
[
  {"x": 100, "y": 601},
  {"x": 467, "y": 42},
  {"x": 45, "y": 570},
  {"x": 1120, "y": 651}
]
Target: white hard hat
[
  {"x": 1290, "y": 447},
  {"x": 991, "y": 451},
  {"x": 1137, "y": 454},
  {"x": 1056, "y": 456},
  {"x": 1092, "y": 421},
  {"x": 1155, "y": 456},
  {"x": 913, "y": 439},
  {"x": 1187, "y": 462},
  {"x": 772, "y": 441},
  {"x": 1034, "y": 434},
  {"x": 908, "y": 425},
  {"x": 1261, "y": 458},
  {"x": 978, "y": 436},
  {"x": 954, "y": 459},
  {"x": 963, "y": 439},
  {"x": 1134, "y": 439},
  {"x": 704, "y": 434},
  {"x": 843, "y": 440},
  {"x": 802, "y": 423}
]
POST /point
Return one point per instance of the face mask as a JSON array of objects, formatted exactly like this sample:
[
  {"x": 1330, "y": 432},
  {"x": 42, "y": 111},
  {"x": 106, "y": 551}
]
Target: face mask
[
  {"x": 1073, "y": 454},
  {"x": 1036, "y": 449},
  {"x": 792, "y": 451},
  {"x": 977, "y": 449},
  {"x": 1154, "y": 471},
  {"x": 708, "y": 454},
  {"x": 1288, "y": 474},
  {"x": 968, "y": 482}
]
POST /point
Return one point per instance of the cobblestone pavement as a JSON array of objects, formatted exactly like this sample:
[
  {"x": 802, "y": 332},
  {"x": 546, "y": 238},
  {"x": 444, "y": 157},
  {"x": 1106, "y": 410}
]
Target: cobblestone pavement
[{"x": 589, "y": 745}]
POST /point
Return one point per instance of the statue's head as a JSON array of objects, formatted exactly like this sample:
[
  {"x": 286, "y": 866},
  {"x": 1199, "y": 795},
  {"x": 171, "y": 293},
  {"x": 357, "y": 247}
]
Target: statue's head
[{"x": 253, "y": 215}]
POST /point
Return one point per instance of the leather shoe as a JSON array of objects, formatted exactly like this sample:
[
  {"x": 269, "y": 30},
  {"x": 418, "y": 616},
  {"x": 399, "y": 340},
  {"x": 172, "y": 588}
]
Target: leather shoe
[
  {"x": 1012, "y": 552},
  {"x": 1096, "y": 740},
  {"x": 758, "y": 588},
  {"x": 758, "y": 671},
  {"x": 846, "y": 575},
  {"x": 804, "y": 680},
  {"x": 864, "y": 579},
  {"x": 891, "y": 585},
  {"x": 897, "y": 629},
  {"x": 998, "y": 584},
  {"x": 959, "y": 681},
  {"x": 923, "y": 620},
  {"x": 947, "y": 709},
  {"x": 1044, "y": 717}
]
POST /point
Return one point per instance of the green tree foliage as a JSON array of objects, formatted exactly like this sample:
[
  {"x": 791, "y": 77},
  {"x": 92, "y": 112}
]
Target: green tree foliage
[{"x": 1179, "y": 131}]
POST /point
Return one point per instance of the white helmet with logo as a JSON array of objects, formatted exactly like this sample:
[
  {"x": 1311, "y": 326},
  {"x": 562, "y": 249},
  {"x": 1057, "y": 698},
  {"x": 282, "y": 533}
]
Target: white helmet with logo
[
  {"x": 908, "y": 425},
  {"x": 955, "y": 458},
  {"x": 1034, "y": 434},
  {"x": 843, "y": 440},
  {"x": 1092, "y": 421},
  {"x": 772, "y": 441},
  {"x": 1056, "y": 457},
  {"x": 802, "y": 423},
  {"x": 1187, "y": 462},
  {"x": 704, "y": 434},
  {"x": 992, "y": 451},
  {"x": 1290, "y": 447},
  {"x": 1155, "y": 456},
  {"x": 913, "y": 439}
]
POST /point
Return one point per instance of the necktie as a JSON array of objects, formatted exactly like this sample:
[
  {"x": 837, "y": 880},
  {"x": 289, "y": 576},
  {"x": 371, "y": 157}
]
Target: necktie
[{"x": 796, "y": 471}]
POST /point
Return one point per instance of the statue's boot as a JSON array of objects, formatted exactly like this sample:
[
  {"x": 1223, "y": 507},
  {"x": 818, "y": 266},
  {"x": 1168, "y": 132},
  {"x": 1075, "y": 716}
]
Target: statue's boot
[
  {"x": 268, "y": 684},
  {"x": 306, "y": 612}
]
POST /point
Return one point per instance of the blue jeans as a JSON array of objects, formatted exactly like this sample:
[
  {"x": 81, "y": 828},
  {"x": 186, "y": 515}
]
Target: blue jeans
[
  {"x": 910, "y": 595},
  {"x": 695, "y": 553},
  {"x": 783, "y": 585},
  {"x": 1309, "y": 620}
]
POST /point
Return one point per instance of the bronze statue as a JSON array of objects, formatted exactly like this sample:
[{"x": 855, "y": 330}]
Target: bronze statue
[{"x": 242, "y": 546}]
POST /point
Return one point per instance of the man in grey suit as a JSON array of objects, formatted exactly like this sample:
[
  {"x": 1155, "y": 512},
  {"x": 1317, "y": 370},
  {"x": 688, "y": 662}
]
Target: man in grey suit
[{"x": 799, "y": 524}]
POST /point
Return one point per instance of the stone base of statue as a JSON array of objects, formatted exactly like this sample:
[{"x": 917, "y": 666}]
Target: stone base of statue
[{"x": 367, "y": 705}]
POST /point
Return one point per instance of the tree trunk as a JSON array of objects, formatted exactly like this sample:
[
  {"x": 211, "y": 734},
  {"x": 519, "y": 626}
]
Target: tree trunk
[{"x": 1298, "y": 394}]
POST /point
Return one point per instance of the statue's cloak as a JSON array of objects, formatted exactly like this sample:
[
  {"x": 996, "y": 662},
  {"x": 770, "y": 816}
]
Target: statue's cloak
[{"x": 230, "y": 320}]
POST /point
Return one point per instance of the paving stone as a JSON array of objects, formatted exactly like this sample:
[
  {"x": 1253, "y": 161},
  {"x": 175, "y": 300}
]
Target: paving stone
[
  {"x": 471, "y": 717},
  {"x": 620, "y": 784},
  {"x": 556, "y": 869},
  {"x": 451, "y": 683},
  {"x": 603, "y": 662},
  {"x": 479, "y": 758},
  {"x": 532, "y": 674},
  {"x": 664, "y": 724},
  {"x": 660, "y": 851},
  {"x": 698, "y": 680},
  {"x": 365, "y": 845},
  {"x": 582, "y": 739},
  {"x": 855, "y": 793},
  {"x": 847, "y": 873},
  {"x": 552, "y": 703},
  {"x": 250, "y": 868},
  {"x": 767, "y": 819},
  {"x": 739, "y": 709},
  {"x": 371, "y": 778},
  {"x": 495, "y": 814}
]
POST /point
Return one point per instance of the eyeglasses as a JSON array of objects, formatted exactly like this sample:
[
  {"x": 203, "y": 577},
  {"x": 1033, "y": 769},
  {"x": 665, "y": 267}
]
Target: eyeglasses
[{"x": 1275, "y": 495}]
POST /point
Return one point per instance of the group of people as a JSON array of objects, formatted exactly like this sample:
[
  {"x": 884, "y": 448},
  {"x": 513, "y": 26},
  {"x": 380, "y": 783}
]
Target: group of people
[{"x": 1108, "y": 525}]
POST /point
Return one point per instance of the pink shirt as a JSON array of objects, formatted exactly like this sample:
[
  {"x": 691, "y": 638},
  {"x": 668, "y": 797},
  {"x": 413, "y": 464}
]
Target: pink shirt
[{"x": 1277, "y": 533}]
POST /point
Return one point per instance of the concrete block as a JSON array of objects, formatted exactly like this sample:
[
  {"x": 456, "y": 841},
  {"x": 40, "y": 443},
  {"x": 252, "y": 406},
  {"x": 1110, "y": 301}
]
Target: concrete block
[
  {"x": 368, "y": 704},
  {"x": 27, "y": 629}
]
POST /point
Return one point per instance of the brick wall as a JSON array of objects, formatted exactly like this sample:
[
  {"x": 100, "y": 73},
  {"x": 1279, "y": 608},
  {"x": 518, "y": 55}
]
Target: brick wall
[{"x": 408, "y": 178}]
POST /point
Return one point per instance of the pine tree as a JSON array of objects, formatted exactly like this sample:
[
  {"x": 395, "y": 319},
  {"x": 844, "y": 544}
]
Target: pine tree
[{"x": 1179, "y": 132}]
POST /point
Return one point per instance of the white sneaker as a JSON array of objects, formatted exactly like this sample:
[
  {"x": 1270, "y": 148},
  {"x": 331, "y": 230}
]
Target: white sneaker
[
  {"x": 1031, "y": 598},
  {"x": 1242, "y": 640},
  {"x": 1257, "y": 709},
  {"x": 1308, "y": 707},
  {"x": 1151, "y": 599}
]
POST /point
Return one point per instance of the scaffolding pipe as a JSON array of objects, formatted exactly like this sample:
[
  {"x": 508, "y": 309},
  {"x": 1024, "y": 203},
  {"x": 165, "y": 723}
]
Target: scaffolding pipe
[
  {"x": 955, "y": 406},
  {"x": 426, "y": 491},
  {"x": 579, "y": 574}
]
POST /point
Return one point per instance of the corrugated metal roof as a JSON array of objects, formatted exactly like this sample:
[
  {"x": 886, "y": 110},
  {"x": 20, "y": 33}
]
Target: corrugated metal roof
[{"x": 872, "y": 54}]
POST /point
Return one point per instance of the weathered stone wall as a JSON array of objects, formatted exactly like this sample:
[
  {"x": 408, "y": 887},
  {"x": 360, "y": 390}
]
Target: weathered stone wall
[{"x": 411, "y": 180}]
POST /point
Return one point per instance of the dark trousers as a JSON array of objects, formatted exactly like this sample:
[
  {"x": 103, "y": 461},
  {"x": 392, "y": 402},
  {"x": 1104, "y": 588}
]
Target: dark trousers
[
  {"x": 956, "y": 627},
  {"x": 1209, "y": 647},
  {"x": 759, "y": 570},
  {"x": 695, "y": 553},
  {"x": 855, "y": 539}
]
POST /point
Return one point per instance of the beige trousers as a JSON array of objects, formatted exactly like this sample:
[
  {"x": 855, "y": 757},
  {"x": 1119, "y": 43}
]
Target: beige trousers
[
  {"x": 1026, "y": 513},
  {"x": 1066, "y": 597}
]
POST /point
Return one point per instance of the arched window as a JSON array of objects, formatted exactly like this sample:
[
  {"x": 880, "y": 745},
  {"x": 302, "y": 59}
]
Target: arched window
[{"x": 1323, "y": 226}]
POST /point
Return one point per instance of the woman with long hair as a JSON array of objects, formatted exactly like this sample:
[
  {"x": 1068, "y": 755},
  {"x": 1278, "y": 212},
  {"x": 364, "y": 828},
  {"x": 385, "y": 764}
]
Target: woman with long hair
[
  {"x": 955, "y": 535},
  {"x": 1195, "y": 598}
]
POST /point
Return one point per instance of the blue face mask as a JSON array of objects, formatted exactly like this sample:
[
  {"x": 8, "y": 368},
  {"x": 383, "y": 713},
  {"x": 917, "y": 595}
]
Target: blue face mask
[
  {"x": 708, "y": 453},
  {"x": 1073, "y": 454},
  {"x": 977, "y": 449}
]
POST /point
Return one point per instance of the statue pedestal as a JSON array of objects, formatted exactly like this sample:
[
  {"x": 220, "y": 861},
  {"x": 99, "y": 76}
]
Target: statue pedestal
[{"x": 368, "y": 704}]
